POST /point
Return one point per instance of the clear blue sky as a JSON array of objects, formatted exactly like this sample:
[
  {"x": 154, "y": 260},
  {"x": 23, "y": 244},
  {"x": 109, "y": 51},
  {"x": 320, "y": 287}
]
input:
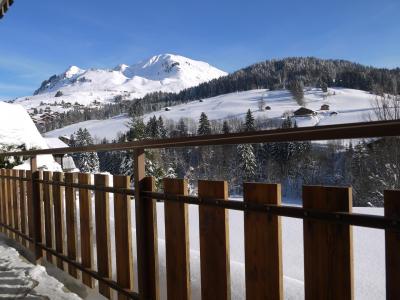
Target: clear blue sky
[{"x": 41, "y": 38}]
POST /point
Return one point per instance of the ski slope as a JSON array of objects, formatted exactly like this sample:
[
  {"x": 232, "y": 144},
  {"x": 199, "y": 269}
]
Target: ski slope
[{"x": 350, "y": 105}]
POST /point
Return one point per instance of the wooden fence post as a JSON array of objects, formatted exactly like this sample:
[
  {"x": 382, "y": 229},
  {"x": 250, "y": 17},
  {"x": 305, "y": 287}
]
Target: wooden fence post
[
  {"x": 35, "y": 221},
  {"x": 146, "y": 231},
  {"x": 3, "y": 196},
  {"x": 2, "y": 229},
  {"x": 177, "y": 241},
  {"x": 48, "y": 207},
  {"x": 214, "y": 243},
  {"x": 328, "y": 255},
  {"x": 263, "y": 244},
  {"x": 123, "y": 236},
  {"x": 59, "y": 217},
  {"x": 70, "y": 216},
  {"x": 10, "y": 196},
  {"x": 102, "y": 216},
  {"x": 22, "y": 203},
  {"x": 86, "y": 229},
  {"x": 392, "y": 246}
]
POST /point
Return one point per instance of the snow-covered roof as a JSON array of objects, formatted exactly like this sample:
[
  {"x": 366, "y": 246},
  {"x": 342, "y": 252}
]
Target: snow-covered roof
[{"x": 54, "y": 143}]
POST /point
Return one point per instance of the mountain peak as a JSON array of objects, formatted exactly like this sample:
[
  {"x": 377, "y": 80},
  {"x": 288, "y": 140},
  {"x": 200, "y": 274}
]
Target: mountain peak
[{"x": 72, "y": 71}]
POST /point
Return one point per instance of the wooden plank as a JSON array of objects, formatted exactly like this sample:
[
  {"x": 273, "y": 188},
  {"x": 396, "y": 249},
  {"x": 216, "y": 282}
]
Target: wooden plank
[
  {"x": 328, "y": 261},
  {"x": 146, "y": 231},
  {"x": 3, "y": 200},
  {"x": 85, "y": 212},
  {"x": 58, "y": 205},
  {"x": 123, "y": 235},
  {"x": 48, "y": 206},
  {"x": 10, "y": 196},
  {"x": 263, "y": 244},
  {"x": 15, "y": 206},
  {"x": 22, "y": 203},
  {"x": 177, "y": 241},
  {"x": 3, "y": 213},
  {"x": 214, "y": 243},
  {"x": 392, "y": 246},
  {"x": 70, "y": 215},
  {"x": 102, "y": 215}
]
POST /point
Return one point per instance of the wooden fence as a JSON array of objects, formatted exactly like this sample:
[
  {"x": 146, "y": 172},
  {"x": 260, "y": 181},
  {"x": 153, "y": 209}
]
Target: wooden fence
[{"x": 40, "y": 210}]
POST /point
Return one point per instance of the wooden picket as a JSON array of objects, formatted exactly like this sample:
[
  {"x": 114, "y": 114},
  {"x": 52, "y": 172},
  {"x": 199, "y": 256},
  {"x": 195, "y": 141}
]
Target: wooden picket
[
  {"x": 263, "y": 244},
  {"x": 48, "y": 207},
  {"x": 328, "y": 263},
  {"x": 214, "y": 243},
  {"x": 86, "y": 230},
  {"x": 70, "y": 214},
  {"x": 58, "y": 205},
  {"x": 103, "y": 245},
  {"x": 123, "y": 236},
  {"x": 328, "y": 253},
  {"x": 177, "y": 241},
  {"x": 392, "y": 246},
  {"x": 22, "y": 203}
]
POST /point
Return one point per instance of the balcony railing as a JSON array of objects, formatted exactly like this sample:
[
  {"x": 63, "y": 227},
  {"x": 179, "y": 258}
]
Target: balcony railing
[{"x": 39, "y": 209}]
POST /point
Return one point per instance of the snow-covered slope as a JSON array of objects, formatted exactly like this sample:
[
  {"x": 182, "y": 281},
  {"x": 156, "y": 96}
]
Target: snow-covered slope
[
  {"x": 165, "y": 72},
  {"x": 17, "y": 129},
  {"x": 350, "y": 105}
]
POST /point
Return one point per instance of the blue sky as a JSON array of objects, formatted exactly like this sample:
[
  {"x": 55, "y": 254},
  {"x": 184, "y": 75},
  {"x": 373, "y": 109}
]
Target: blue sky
[{"x": 41, "y": 38}]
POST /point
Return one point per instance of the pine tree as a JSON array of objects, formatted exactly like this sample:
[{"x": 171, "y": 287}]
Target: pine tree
[
  {"x": 162, "y": 130},
  {"x": 249, "y": 122},
  {"x": 87, "y": 162},
  {"x": 225, "y": 127},
  {"x": 181, "y": 128},
  {"x": 204, "y": 125},
  {"x": 296, "y": 88},
  {"x": 247, "y": 161},
  {"x": 137, "y": 129}
]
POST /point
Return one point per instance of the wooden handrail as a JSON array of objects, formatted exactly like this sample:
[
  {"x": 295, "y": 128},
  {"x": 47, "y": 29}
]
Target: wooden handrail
[{"x": 315, "y": 133}]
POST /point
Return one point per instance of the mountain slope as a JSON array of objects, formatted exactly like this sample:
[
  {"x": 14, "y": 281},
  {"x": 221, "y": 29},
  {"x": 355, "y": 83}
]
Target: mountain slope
[
  {"x": 347, "y": 106},
  {"x": 166, "y": 73}
]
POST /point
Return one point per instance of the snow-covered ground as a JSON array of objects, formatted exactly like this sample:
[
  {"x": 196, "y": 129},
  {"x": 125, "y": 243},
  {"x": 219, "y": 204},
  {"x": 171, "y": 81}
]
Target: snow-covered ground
[
  {"x": 350, "y": 105},
  {"x": 164, "y": 72},
  {"x": 20, "y": 279}
]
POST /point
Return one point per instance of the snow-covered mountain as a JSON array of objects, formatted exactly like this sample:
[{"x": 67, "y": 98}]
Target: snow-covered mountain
[{"x": 165, "y": 72}]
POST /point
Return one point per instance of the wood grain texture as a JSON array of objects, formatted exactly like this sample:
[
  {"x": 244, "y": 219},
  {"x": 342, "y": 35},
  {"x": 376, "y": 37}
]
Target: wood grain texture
[
  {"x": 328, "y": 254},
  {"x": 146, "y": 231},
  {"x": 102, "y": 215},
  {"x": 22, "y": 205},
  {"x": 263, "y": 244},
  {"x": 214, "y": 243},
  {"x": 177, "y": 241},
  {"x": 58, "y": 205},
  {"x": 70, "y": 216},
  {"x": 86, "y": 228},
  {"x": 10, "y": 195},
  {"x": 48, "y": 207},
  {"x": 3, "y": 195},
  {"x": 123, "y": 235},
  {"x": 392, "y": 246},
  {"x": 15, "y": 205}
]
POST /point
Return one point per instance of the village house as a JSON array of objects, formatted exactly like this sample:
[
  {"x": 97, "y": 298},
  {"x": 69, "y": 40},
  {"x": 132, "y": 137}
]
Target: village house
[{"x": 304, "y": 112}]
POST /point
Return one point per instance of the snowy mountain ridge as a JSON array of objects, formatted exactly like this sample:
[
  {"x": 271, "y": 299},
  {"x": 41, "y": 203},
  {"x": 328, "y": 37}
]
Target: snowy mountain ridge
[{"x": 164, "y": 72}]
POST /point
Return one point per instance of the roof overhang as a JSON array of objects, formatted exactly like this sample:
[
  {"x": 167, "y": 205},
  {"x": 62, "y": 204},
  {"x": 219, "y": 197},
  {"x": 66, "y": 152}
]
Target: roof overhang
[{"x": 4, "y": 6}]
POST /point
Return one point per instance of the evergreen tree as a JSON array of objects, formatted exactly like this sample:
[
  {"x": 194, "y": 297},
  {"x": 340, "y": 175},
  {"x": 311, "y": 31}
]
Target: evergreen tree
[
  {"x": 247, "y": 161},
  {"x": 137, "y": 129},
  {"x": 87, "y": 162},
  {"x": 181, "y": 128},
  {"x": 225, "y": 127},
  {"x": 162, "y": 130},
  {"x": 296, "y": 88},
  {"x": 249, "y": 122},
  {"x": 204, "y": 125}
]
